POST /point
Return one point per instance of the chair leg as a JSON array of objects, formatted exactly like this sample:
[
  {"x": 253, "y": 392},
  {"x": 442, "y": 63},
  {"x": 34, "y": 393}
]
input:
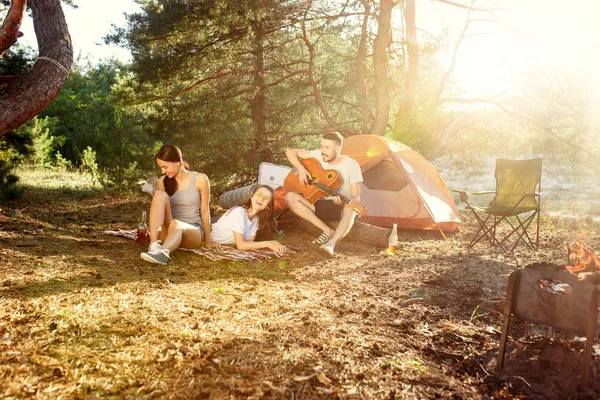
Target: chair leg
[
  {"x": 521, "y": 229},
  {"x": 476, "y": 237},
  {"x": 589, "y": 341},
  {"x": 508, "y": 308},
  {"x": 490, "y": 233},
  {"x": 500, "y": 242},
  {"x": 482, "y": 227},
  {"x": 527, "y": 224},
  {"x": 529, "y": 241},
  {"x": 513, "y": 231},
  {"x": 537, "y": 234}
]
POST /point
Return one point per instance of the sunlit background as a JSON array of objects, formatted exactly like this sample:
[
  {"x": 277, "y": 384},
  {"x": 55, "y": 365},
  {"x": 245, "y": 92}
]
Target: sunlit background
[
  {"x": 88, "y": 24},
  {"x": 528, "y": 34},
  {"x": 518, "y": 40}
]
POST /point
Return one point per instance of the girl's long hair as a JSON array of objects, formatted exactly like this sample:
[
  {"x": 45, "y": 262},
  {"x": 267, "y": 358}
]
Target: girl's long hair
[
  {"x": 171, "y": 153},
  {"x": 266, "y": 217}
]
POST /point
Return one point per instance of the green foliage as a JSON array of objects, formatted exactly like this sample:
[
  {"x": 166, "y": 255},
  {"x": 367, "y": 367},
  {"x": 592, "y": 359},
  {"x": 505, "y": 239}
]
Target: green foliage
[
  {"x": 197, "y": 70},
  {"x": 42, "y": 147},
  {"x": 90, "y": 122},
  {"x": 89, "y": 164},
  {"x": 17, "y": 144},
  {"x": 61, "y": 163},
  {"x": 8, "y": 181},
  {"x": 129, "y": 177},
  {"x": 86, "y": 128},
  {"x": 17, "y": 60},
  {"x": 8, "y": 162},
  {"x": 14, "y": 148},
  {"x": 228, "y": 83}
]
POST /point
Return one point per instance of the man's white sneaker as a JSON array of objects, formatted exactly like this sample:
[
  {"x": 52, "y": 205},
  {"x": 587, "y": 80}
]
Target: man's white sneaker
[{"x": 328, "y": 248}]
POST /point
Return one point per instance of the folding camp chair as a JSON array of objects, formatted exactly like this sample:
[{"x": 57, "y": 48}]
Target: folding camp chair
[{"x": 517, "y": 202}]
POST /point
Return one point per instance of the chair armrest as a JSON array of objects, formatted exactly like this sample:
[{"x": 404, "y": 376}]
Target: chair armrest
[
  {"x": 464, "y": 195},
  {"x": 485, "y": 192}
]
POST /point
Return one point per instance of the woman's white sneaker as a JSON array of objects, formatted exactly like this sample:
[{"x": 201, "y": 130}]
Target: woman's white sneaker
[{"x": 156, "y": 254}]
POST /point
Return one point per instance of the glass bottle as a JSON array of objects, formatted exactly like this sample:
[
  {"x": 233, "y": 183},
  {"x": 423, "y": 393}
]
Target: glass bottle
[
  {"x": 393, "y": 241},
  {"x": 141, "y": 233}
]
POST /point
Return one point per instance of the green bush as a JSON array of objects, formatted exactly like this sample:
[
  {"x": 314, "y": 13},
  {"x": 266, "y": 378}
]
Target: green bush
[
  {"x": 61, "y": 163},
  {"x": 42, "y": 146}
]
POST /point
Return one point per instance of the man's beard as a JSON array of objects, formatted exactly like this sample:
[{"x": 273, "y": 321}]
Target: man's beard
[{"x": 326, "y": 158}]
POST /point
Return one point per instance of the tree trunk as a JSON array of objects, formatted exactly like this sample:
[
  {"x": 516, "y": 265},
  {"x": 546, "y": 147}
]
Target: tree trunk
[
  {"x": 9, "y": 32},
  {"x": 23, "y": 99},
  {"x": 380, "y": 68},
  {"x": 313, "y": 80},
  {"x": 260, "y": 92},
  {"x": 405, "y": 112},
  {"x": 360, "y": 71}
]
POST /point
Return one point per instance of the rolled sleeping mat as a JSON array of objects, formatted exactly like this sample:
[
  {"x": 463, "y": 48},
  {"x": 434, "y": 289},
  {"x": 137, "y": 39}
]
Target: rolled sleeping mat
[{"x": 236, "y": 197}]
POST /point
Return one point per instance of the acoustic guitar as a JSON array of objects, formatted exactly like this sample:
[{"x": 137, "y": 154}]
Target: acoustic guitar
[{"x": 322, "y": 182}]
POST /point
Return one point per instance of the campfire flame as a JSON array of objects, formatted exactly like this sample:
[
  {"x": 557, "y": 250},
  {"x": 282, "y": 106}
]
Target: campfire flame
[{"x": 582, "y": 261}]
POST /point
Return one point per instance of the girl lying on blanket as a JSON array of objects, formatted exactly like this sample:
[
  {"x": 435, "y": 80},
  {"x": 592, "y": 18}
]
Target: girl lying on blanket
[
  {"x": 240, "y": 225},
  {"x": 179, "y": 214}
]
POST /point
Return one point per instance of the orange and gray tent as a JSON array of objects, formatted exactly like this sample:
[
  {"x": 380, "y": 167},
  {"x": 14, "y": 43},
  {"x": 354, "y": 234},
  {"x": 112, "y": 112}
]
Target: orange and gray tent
[{"x": 400, "y": 186}]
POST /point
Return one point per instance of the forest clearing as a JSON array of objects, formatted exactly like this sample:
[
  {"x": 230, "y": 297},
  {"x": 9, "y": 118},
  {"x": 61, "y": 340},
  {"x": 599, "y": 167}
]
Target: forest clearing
[
  {"x": 408, "y": 110},
  {"x": 83, "y": 317}
]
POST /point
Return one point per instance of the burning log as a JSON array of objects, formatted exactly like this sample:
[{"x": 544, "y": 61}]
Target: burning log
[{"x": 584, "y": 262}]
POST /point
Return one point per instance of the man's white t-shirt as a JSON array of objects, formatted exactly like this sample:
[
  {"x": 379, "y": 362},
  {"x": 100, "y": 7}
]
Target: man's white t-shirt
[
  {"x": 348, "y": 168},
  {"x": 234, "y": 220}
]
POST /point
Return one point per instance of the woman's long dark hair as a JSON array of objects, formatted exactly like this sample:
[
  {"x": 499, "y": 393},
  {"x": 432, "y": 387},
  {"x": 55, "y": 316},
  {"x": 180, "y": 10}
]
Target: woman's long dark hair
[
  {"x": 266, "y": 218},
  {"x": 171, "y": 153}
]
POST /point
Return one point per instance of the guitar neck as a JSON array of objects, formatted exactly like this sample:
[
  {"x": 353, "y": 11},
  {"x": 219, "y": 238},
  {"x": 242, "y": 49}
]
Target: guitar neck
[{"x": 331, "y": 192}]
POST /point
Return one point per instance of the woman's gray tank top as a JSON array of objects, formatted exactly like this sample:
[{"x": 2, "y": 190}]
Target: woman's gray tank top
[{"x": 185, "y": 204}]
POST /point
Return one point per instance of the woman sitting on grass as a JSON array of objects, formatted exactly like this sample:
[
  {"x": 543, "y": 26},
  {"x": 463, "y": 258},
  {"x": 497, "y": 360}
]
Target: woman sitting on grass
[
  {"x": 179, "y": 214},
  {"x": 239, "y": 225}
]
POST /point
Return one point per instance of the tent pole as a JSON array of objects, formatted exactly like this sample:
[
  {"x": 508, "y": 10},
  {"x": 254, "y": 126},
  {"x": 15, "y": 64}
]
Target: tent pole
[{"x": 442, "y": 232}]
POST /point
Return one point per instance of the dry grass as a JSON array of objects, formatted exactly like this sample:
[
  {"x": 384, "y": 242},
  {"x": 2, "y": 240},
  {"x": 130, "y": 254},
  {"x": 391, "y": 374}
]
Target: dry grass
[{"x": 81, "y": 316}]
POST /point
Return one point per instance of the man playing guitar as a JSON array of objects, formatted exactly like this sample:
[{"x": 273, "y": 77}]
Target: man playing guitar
[{"x": 327, "y": 209}]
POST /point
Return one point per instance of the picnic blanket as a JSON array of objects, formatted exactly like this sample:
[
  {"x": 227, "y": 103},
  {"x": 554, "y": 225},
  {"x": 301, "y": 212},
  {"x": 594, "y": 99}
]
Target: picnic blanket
[{"x": 226, "y": 253}]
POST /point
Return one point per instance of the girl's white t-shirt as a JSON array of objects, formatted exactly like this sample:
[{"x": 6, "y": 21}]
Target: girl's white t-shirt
[{"x": 234, "y": 220}]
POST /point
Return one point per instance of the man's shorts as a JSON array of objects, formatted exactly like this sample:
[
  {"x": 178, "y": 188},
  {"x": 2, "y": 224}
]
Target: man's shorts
[{"x": 328, "y": 211}]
